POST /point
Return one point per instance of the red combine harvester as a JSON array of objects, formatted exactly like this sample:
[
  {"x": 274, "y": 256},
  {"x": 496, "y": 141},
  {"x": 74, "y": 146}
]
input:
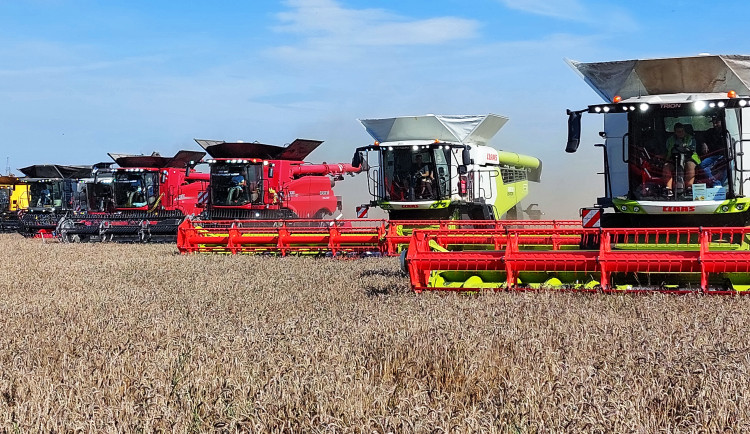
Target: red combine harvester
[
  {"x": 151, "y": 195},
  {"x": 255, "y": 187}
]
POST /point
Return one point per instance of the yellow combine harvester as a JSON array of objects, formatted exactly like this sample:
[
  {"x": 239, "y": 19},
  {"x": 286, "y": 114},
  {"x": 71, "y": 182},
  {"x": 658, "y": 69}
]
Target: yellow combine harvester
[{"x": 14, "y": 196}]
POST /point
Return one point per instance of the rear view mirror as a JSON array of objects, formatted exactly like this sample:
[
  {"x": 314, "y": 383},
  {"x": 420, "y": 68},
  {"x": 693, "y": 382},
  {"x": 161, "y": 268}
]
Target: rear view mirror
[
  {"x": 574, "y": 131},
  {"x": 466, "y": 157},
  {"x": 357, "y": 159},
  {"x": 270, "y": 170}
]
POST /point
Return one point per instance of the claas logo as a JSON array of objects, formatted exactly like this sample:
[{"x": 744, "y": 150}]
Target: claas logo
[{"x": 678, "y": 208}]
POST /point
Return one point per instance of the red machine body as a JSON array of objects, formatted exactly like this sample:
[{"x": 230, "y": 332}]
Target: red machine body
[
  {"x": 151, "y": 182},
  {"x": 173, "y": 190},
  {"x": 258, "y": 181}
]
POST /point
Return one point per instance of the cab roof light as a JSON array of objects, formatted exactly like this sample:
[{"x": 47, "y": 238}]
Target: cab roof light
[
  {"x": 617, "y": 99},
  {"x": 731, "y": 94}
]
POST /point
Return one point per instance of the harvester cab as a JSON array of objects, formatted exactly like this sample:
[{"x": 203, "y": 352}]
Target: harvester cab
[
  {"x": 256, "y": 181},
  {"x": 14, "y": 196},
  {"x": 151, "y": 183},
  {"x": 440, "y": 167},
  {"x": 54, "y": 190},
  {"x": 99, "y": 190},
  {"x": 673, "y": 140}
]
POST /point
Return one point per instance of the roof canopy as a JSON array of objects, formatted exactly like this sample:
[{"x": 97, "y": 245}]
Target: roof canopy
[
  {"x": 461, "y": 129},
  {"x": 698, "y": 74},
  {"x": 298, "y": 150},
  {"x": 56, "y": 171},
  {"x": 180, "y": 160}
]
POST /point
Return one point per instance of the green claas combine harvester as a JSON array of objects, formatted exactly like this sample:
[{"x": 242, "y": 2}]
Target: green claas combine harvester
[
  {"x": 441, "y": 168},
  {"x": 674, "y": 216}
]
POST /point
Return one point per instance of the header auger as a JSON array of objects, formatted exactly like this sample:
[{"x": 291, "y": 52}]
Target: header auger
[{"x": 674, "y": 216}]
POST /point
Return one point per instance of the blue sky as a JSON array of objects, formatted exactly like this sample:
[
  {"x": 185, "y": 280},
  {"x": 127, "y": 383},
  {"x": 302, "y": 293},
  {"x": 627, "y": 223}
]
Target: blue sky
[{"x": 79, "y": 79}]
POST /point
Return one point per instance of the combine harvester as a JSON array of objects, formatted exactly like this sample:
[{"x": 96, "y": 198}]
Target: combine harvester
[
  {"x": 440, "y": 168},
  {"x": 143, "y": 200},
  {"x": 53, "y": 191},
  {"x": 14, "y": 196},
  {"x": 674, "y": 215},
  {"x": 261, "y": 196}
]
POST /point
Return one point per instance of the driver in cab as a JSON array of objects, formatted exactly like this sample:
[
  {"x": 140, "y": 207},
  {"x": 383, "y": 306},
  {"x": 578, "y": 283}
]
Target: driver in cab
[
  {"x": 424, "y": 176},
  {"x": 680, "y": 142}
]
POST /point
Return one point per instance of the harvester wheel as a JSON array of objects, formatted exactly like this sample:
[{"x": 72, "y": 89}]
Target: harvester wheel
[
  {"x": 402, "y": 262},
  {"x": 72, "y": 238}
]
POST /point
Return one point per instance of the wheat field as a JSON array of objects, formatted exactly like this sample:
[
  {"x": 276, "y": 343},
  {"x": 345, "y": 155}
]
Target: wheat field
[{"x": 128, "y": 338}]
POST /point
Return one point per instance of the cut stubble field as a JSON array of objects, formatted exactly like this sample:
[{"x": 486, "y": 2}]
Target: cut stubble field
[{"x": 107, "y": 337}]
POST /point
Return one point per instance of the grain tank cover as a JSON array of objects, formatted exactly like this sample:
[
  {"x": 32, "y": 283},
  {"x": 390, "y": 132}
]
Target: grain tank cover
[
  {"x": 180, "y": 160},
  {"x": 298, "y": 150},
  {"x": 57, "y": 171},
  {"x": 456, "y": 129},
  {"x": 698, "y": 74}
]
